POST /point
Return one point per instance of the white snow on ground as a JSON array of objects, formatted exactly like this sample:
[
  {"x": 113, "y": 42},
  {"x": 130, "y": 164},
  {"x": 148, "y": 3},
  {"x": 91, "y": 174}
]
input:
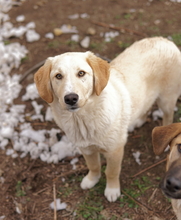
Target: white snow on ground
[
  {"x": 59, "y": 205},
  {"x": 26, "y": 140}
]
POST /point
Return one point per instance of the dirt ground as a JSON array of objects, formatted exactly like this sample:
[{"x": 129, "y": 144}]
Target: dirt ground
[{"x": 29, "y": 183}]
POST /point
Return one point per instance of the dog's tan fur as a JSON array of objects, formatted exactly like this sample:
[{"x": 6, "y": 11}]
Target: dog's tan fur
[
  {"x": 110, "y": 99},
  {"x": 162, "y": 137}
]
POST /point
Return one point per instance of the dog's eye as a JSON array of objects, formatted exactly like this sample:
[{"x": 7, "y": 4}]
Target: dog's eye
[
  {"x": 179, "y": 148},
  {"x": 81, "y": 73},
  {"x": 59, "y": 76}
]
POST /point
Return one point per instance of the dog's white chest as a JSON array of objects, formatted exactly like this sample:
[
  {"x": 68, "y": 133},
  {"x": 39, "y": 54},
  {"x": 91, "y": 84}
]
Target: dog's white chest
[{"x": 82, "y": 131}]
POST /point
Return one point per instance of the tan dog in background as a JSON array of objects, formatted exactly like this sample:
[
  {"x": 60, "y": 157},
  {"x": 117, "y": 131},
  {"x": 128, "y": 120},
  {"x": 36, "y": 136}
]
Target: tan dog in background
[
  {"x": 171, "y": 184},
  {"x": 96, "y": 103}
]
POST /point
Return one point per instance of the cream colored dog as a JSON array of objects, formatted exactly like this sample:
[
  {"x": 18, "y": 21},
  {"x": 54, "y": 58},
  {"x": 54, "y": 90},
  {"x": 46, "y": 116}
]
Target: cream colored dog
[
  {"x": 171, "y": 183},
  {"x": 96, "y": 103}
]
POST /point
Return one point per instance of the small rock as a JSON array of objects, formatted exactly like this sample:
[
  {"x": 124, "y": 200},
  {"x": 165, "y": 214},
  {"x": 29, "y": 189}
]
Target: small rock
[
  {"x": 35, "y": 7},
  {"x": 85, "y": 42},
  {"x": 157, "y": 22},
  {"x": 91, "y": 31},
  {"x": 57, "y": 31}
]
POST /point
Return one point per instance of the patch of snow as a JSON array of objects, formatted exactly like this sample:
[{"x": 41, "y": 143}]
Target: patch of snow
[
  {"x": 48, "y": 114},
  {"x": 68, "y": 29},
  {"x": 41, "y": 144},
  {"x": 85, "y": 42},
  {"x": 75, "y": 37},
  {"x": 20, "y": 18},
  {"x": 84, "y": 15},
  {"x": 32, "y": 35},
  {"x": 157, "y": 114},
  {"x": 49, "y": 35},
  {"x": 73, "y": 162},
  {"x": 31, "y": 25},
  {"x": 31, "y": 92},
  {"x": 136, "y": 155},
  {"x": 73, "y": 17},
  {"x": 59, "y": 205},
  {"x": 110, "y": 35}
]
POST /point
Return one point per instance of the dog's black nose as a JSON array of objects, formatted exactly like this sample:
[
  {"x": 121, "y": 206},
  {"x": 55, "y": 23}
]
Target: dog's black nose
[
  {"x": 71, "y": 99},
  {"x": 173, "y": 184}
]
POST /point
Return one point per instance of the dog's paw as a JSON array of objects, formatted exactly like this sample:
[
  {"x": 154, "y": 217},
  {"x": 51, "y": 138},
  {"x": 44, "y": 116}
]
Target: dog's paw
[
  {"x": 112, "y": 194},
  {"x": 87, "y": 183}
]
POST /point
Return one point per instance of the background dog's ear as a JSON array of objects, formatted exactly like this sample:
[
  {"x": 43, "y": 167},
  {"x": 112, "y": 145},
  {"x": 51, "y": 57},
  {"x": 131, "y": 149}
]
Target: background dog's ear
[
  {"x": 100, "y": 68},
  {"x": 42, "y": 81},
  {"x": 163, "y": 135}
]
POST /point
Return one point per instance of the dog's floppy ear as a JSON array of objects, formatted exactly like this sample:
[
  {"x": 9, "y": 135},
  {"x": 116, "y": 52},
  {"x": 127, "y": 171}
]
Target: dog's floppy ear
[
  {"x": 163, "y": 135},
  {"x": 100, "y": 68},
  {"x": 42, "y": 81}
]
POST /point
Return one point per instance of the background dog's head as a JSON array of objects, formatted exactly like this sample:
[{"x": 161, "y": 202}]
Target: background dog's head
[
  {"x": 72, "y": 78},
  {"x": 162, "y": 137}
]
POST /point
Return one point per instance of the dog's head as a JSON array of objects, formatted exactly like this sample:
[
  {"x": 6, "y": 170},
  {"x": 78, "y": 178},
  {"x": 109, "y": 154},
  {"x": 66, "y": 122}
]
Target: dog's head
[
  {"x": 162, "y": 137},
  {"x": 72, "y": 78}
]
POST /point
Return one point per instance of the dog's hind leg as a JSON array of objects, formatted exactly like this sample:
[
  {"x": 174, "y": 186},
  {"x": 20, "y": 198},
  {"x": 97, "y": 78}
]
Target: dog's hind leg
[
  {"x": 94, "y": 166},
  {"x": 114, "y": 161},
  {"x": 167, "y": 105}
]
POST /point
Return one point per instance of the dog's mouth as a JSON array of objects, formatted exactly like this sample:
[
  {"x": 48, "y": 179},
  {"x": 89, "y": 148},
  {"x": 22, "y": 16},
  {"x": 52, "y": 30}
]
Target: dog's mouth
[
  {"x": 73, "y": 108},
  {"x": 172, "y": 195}
]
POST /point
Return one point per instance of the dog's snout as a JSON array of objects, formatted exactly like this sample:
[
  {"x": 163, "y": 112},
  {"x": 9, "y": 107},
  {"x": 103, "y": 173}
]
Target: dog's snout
[
  {"x": 173, "y": 184},
  {"x": 71, "y": 99}
]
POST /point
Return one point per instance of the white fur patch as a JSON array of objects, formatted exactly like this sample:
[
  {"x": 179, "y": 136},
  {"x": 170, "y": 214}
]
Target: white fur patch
[
  {"x": 87, "y": 183},
  {"x": 112, "y": 194}
]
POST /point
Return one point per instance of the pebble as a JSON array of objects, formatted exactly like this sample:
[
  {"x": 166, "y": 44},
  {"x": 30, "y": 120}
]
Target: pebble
[
  {"x": 57, "y": 31},
  {"x": 91, "y": 31},
  {"x": 156, "y": 22}
]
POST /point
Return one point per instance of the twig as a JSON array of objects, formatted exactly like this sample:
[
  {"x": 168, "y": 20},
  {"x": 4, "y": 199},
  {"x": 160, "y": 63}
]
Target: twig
[
  {"x": 33, "y": 209},
  {"x": 42, "y": 190},
  {"x": 121, "y": 29},
  {"x": 152, "y": 195},
  {"x": 31, "y": 70},
  {"x": 137, "y": 202},
  {"x": 154, "y": 165},
  {"x": 31, "y": 165},
  {"x": 55, "y": 204}
]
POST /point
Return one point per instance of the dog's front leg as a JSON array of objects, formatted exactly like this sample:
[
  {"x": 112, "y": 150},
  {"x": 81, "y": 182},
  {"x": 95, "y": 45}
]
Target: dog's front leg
[
  {"x": 114, "y": 160},
  {"x": 94, "y": 165}
]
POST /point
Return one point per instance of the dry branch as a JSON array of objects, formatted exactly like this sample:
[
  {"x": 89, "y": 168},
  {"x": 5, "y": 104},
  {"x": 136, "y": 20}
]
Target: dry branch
[
  {"x": 55, "y": 204},
  {"x": 154, "y": 165}
]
